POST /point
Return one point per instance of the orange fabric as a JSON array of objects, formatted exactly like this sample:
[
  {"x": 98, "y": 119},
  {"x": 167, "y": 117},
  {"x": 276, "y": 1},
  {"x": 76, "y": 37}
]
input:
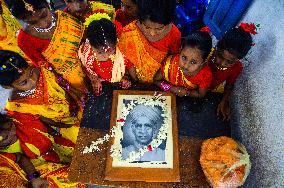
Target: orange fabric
[
  {"x": 171, "y": 42},
  {"x": 175, "y": 76},
  {"x": 146, "y": 58}
]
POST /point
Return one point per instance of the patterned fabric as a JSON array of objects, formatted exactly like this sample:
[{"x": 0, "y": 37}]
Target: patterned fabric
[
  {"x": 173, "y": 74},
  {"x": 62, "y": 50},
  {"x": 146, "y": 59},
  {"x": 112, "y": 70},
  {"x": 10, "y": 41},
  {"x": 11, "y": 175},
  {"x": 34, "y": 140},
  {"x": 49, "y": 100}
]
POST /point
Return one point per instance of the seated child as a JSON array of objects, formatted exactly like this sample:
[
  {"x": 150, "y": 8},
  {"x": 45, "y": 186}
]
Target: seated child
[
  {"x": 102, "y": 58},
  {"x": 128, "y": 12},
  {"x": 8, "y": 141},
  {"x": 187, "y": 73},
  {"x": 36, "y": 93},
  {"x": 38, "y": 153},
  {"x": 225, "y": 65}
]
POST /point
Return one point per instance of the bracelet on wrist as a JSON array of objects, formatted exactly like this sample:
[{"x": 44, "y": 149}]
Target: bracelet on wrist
[
  {"x": 165, "y": 86},
  {"x": 34, "y": 175}
]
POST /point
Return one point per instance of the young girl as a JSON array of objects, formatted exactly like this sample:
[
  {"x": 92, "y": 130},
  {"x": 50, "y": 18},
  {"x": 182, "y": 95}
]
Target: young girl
[
  {"x": 187, "y": 73},
  {"x": 147, "y": 41},
  {"x": 101, "y": 57},
  {"x": 36, "y": 93},
  {"x": 127, "y": 13},
  {"x": 225, "y": 65},
  {"x": 37, "y": 154}
]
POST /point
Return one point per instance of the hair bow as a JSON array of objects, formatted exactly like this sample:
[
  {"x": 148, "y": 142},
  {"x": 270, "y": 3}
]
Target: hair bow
[{"x": 249, "y": 27}]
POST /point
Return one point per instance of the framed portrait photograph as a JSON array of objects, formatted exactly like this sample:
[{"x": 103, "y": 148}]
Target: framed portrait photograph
[{"x": 144, "y": 138}]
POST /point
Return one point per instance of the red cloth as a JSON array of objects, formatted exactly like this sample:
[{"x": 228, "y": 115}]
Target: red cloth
[
  {"x": 229, "y": 75},
  {"x": 33, "y": 46},
  {"x": 202, "y": 79},
  {"x": 104, "y": 68},
  {"x": 11, "y": 156},
  {"x": 170, "y": 43},
  {"x": 122, "y": 18},
  {"x": 27, "y": 131}
]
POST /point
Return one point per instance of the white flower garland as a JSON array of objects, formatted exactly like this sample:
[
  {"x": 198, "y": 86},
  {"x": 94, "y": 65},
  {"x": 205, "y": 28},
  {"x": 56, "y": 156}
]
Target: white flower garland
[{"x": 116, "y": 131}]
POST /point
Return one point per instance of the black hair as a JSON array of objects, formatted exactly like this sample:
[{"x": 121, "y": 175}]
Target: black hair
[
  {"x": 3, "y": 119},
  {"x": 100, "y": 32},
  {"x": 158, "y": 11},
  {"x": 10, "y": 63},
  {"x": 236, "y": 41},
  {"x": 18, "y": 9},
  {"x": 200, "y": 40}
]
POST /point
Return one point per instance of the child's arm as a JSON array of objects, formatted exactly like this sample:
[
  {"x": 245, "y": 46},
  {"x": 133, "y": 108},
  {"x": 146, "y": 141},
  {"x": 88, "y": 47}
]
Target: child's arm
[
  {"x": 132, "y": 73},
  {"x": 32, "y": 175},
  {"x": 96, "y": 84},
  {"x": 165, "y": 86},
  {"x": 223, "y": 108}
]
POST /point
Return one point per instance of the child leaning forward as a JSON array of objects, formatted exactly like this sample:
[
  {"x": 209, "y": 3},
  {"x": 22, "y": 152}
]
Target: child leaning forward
[{"x": 187, "y": 73}]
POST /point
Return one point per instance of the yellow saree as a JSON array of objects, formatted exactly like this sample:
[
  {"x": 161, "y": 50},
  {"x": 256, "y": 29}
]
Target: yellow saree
[
  {"x": 62, "y": 51},
  {"x": 146, "y": 58},
  {"x": 49, "y": 100}
]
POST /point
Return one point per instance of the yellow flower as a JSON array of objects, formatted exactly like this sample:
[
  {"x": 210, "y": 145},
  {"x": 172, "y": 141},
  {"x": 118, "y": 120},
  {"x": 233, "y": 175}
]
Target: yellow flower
[{"x": 96, "y": 16}]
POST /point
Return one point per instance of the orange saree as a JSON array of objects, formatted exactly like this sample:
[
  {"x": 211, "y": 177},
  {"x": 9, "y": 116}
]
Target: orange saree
[{"x": 146, "y": 58}]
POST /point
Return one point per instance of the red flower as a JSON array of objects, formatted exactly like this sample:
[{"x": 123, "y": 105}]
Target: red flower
[
  {"x": 150, "y": 148},
  {"x": 205, "y": 29},
  {"x": 248, "y": 27},
  {"x": 120, "y": 120}
]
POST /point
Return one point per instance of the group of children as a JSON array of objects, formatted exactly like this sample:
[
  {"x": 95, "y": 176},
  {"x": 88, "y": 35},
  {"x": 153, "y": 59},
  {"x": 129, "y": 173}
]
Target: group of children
[{"x": 138, "y": 43}]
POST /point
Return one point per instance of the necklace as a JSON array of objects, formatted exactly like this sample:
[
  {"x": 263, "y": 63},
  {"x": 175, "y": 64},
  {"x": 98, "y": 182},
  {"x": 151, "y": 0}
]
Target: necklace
[
  {"x": 41, "y": 30},
  {"x": 219, "y": 68},
  {"x": 26, "y": 93}
]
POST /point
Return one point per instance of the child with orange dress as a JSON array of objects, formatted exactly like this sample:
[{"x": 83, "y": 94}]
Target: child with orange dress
[
  {"x": 102, "y": 59},
  {"x": 225, "y": 63},
  {"x": 147, "y": 41},
  {"x": 187, "y": 73}
]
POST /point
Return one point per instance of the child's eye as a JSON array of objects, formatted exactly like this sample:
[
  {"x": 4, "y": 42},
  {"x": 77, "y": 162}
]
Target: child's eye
[
  {"x": 193, "y": 62},
  {"x": 184, "y": 58}
]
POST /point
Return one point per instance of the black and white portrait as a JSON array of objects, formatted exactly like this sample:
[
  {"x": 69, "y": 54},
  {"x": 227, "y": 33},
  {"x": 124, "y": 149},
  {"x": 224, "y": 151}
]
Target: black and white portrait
[
  {"x": 143, "y": 132},
  {"x": 141, "y": 127}
]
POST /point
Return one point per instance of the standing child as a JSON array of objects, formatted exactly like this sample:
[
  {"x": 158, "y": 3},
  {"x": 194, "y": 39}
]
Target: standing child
[
  {"x": 225, "y": 65},
  {"x": 102, "y": 58},
  {"x": 147, "y": 41},
  {"x": 187, "y": 73},
  {"x": 127, "y": 13}
]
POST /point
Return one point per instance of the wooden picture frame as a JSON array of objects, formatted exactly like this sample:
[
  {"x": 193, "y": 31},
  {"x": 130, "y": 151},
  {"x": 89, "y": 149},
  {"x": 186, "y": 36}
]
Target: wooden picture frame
[{"x": 164, "y": 138}]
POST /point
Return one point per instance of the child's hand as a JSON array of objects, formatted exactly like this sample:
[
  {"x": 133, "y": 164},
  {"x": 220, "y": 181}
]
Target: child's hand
[
  {"x": 224, "y": 110},
  {"x": 39, "y": 183},
  {"x": 180, "y": 91},
  {"x": 125, "y": 83},
  {"x": 97, "y": 86}
]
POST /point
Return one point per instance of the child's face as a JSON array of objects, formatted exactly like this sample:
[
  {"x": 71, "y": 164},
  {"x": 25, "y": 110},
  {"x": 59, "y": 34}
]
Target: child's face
[
  {"x": 129, "y": 8},
  {"x": 152, "y": 29},
  {"x": 225, "y": 59},
  {"x": 190, "y": 60},
  {"x": 77, "y": 6},
  {"x": 104, "y": 53},
  {"x": 28, "y": 79},
  {"x": 7, "y": 134}
]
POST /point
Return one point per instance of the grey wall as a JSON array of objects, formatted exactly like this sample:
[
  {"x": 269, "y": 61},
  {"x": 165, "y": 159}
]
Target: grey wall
[{"x": 259, "y": 97}]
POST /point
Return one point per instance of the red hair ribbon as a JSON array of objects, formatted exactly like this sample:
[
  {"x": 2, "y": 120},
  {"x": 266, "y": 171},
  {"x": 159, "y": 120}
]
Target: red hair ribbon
[
  {"x": 248, "y": 27},
  {"x": 205, "y": 29}
]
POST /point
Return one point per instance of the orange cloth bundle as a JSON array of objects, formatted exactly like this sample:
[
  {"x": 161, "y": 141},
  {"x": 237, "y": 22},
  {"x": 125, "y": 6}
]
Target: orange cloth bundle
[{"x": 225, "y": 162}]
